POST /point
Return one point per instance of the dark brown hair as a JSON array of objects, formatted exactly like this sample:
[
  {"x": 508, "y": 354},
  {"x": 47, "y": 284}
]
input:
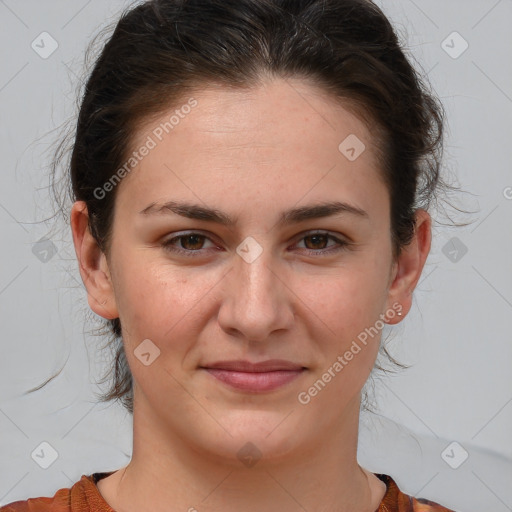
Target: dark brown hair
[{"x": 161, "y": 50}]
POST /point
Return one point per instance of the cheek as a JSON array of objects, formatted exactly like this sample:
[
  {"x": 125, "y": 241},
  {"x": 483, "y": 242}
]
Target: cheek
[
  {"x": 345, "y": 310},
  {"x": 348, "y": 338},
  {"x": 346, "y": 302},
  {"x": 161, "y": 302}
]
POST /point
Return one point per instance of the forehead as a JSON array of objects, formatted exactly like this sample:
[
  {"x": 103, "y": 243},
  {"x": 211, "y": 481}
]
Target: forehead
[
  {"x": 286, "y": 134},
  {"x": 265, "y": 108}
]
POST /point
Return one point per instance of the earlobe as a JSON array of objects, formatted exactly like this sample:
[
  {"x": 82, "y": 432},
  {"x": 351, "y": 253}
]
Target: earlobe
[
  {"x": 409, "y": 266},
  {"x": 93, "y": 264}
]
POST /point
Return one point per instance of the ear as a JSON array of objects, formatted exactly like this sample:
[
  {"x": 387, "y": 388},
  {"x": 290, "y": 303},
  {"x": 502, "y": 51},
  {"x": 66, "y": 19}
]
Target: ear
[
  {"x": 407, "y": 269},
  {"x": 92, "y": 264}
]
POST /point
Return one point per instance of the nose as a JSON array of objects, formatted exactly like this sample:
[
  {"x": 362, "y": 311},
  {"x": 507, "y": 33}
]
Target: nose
[{"x": 255, "y": 302}]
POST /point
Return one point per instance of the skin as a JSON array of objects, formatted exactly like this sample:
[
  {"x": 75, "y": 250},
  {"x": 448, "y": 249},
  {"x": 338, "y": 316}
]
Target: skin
[{"x": 251, "y": 154}]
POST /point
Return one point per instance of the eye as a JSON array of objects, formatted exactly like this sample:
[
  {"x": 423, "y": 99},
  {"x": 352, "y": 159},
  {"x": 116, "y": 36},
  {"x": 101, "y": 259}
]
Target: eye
[
  {"x": 317, "y": 243},
  {"x": 192, "y": 244}
]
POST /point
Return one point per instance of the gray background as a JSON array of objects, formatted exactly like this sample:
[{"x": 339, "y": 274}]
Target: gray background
[{"x": 457, "y": 335}]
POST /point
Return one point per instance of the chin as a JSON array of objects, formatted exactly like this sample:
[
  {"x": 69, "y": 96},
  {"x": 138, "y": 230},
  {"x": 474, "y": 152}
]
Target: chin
[{"x": 256, "y": 436}]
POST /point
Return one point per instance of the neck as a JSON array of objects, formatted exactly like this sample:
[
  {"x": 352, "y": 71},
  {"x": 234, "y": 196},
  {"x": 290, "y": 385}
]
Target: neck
[{"x": 174, "y": 475}]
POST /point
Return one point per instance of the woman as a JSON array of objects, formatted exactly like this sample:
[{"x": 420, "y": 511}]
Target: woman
[{"x": 251, "y": 181}]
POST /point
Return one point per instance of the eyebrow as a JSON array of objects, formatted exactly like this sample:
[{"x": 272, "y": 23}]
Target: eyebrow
[{"x": 292, "y": 216}]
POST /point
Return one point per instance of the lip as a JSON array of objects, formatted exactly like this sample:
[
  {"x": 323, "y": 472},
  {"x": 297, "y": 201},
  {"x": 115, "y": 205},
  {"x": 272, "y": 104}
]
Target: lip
[{"x": 255, "y": 377}]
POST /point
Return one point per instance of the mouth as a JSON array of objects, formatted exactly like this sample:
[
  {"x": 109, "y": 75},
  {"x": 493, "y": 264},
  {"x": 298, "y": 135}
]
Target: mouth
[{"x": 255, "y": 377}]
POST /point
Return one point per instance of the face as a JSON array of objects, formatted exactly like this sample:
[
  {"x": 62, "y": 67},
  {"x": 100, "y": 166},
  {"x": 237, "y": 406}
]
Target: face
[{"x": 240, "y": 266}]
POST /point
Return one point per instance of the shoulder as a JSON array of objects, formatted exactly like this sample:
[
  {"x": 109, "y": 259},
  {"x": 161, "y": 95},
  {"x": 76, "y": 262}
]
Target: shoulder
[
  {"x": 396, "y": 501},
  {"x": 59, "y": 502},
  {"x": 82, "y": 496}
]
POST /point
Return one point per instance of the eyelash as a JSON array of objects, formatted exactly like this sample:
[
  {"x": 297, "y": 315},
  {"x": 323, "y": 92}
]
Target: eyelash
[{"x": 169, "y": 246}]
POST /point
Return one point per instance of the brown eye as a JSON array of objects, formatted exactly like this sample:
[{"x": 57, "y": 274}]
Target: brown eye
[
  {"x": 189, "y": 244},
  {"x": 318, "y": 241},
  {"x": 192, "y": 242},
  {"x": 316, "y": 244}
]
